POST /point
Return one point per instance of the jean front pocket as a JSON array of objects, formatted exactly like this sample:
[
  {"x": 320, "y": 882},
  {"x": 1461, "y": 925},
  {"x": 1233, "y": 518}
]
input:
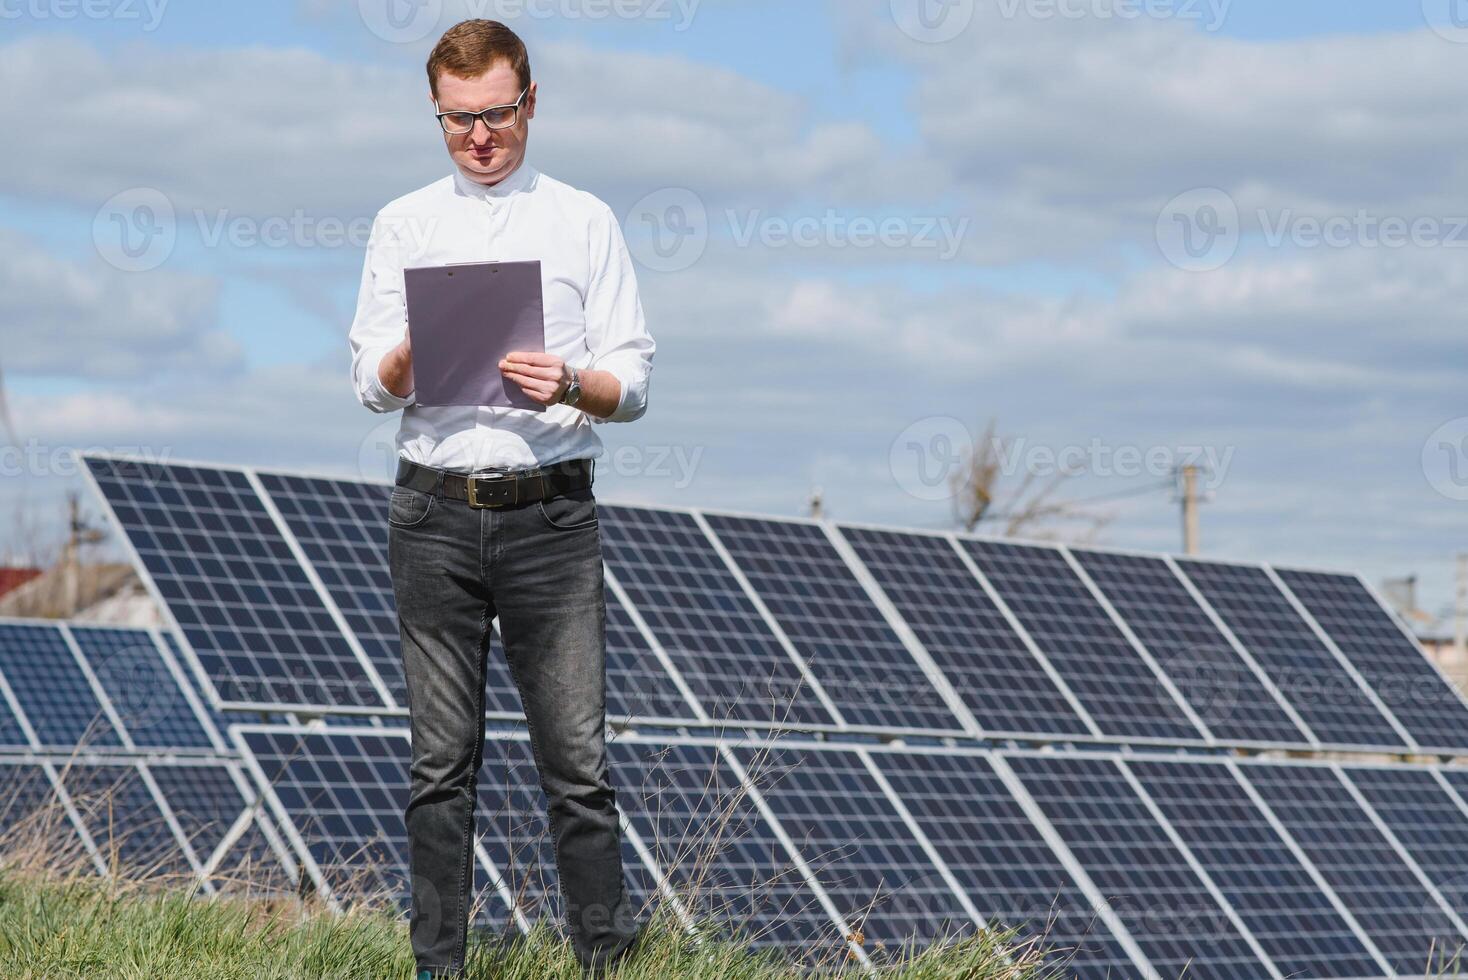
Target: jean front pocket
[
  {"x": 569, "y": 512},
  {"x": 408, "y": 507}
]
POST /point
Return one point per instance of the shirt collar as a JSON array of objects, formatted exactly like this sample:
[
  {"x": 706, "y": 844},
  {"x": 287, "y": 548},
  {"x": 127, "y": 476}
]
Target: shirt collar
[{"x": 519, "y": 180}]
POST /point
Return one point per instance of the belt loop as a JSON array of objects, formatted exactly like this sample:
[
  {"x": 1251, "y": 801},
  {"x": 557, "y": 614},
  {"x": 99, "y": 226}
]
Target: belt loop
[{"x": 438, "y": 483}]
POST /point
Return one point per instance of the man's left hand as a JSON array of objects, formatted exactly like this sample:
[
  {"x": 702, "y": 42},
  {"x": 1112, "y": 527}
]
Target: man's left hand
[{"x": 543, "y": 377}]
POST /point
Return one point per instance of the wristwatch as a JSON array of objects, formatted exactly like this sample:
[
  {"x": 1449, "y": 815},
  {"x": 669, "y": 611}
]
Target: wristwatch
[{"x": 572, "y": 394}]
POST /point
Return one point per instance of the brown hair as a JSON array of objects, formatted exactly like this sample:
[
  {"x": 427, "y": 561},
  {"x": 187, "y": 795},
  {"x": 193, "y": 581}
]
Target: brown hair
[{"x": 471, "y": 47}]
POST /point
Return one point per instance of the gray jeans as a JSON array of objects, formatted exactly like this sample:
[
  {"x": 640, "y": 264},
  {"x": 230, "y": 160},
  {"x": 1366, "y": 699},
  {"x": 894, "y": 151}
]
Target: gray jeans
[{"x": 538, "y": 567}]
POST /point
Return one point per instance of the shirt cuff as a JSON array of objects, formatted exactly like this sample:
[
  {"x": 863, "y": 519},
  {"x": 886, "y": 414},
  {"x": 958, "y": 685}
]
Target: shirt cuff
[
  {"x": 377, "y": 397},
  {"x": 632, "y": 379}
]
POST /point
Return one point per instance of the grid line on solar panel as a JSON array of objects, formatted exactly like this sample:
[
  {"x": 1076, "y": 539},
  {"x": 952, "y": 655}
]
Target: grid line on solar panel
[
  {"x": 1001, "y": 860},
  {"x": 861, "y": 851},
  {"x": 999, "y": 679},
  {"x": 1390, "y": 662},
  {"x": 148, "y": 697},
  {"x": 711, "y": 631},
  {"x": 1224, "y": 690},
  {"x": 718, "y": 854},
  {"x": 129, "y": 830},
  {"x": 259, "y": 631},
  {"x": 1284, "y": 909},
  {"x": 54, "y": 694},
  {"x": 1163, "y": 904},
  {"x": 1361, "y": 865},
  {"x": 861, "y": 664},
  {"x": 1324, "y": 694},
  {"x": 14, "y": 729},
  {"x": 1062, "y": 616}
]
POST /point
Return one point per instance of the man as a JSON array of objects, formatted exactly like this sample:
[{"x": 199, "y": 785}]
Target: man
[{"x": 521, "y": 543}]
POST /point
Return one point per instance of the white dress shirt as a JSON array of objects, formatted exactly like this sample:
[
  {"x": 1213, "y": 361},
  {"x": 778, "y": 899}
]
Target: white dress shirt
[{"x": 593, "y": 315}]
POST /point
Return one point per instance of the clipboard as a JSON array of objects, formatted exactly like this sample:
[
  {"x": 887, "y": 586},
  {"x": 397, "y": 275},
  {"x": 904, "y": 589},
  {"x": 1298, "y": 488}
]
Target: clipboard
[{"x": 463, "y": 318}]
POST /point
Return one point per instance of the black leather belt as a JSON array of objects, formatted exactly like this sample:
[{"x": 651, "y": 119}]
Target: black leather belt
[{"x": 504, "y": 489}]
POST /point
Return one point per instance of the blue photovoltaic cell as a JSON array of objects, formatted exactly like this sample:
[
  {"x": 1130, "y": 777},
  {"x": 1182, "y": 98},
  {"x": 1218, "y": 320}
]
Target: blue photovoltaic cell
[
  {"x": 1140, "y": 873},
  {"x": 1316, "y": 685},
  {"x": 1338, "y": 837},
  {"x": 861, "y": 664},
  {"x": 709, "y": 628},
  {"x": 691, "y": 811},
  {"x": 999, "y": 857},
  {"x": 1110, "y": 679},
  {"x": 144, "y": 693},
  {"x": 965, "y": 634},
  {"x": 858, "y": 846},
  {"x": 1218, "y": 685},
  {"x": 205, "y": 799},
  {"x": 260, "y": 629},
  {"x": 1426, "y": 819},
  {"x": 52, "y": 690},
  {"x": 13, "y": 644},
  {"x": 1426, "y": 705},
  {"x": 1273, "y": 893},
  {"x": 119, "y": 811}
]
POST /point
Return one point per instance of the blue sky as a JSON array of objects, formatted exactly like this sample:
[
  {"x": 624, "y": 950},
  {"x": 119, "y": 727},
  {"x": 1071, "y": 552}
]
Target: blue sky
[{"x": 1045, "y": 171}]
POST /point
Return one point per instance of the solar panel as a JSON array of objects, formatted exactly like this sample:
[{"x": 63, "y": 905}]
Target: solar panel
[
  {"x": 1324, "y": 694},
  {"x": 342, "y": 527},
  {"x": 1428, "y": 819},
  {"x": 129, "y": 830},
  {"x": 860, "y": 848},
  {"x": 985, "y": 661},
  {"x": 710, "y": 841},
  {"x": 252, "y": 866},
  {"x": 221, "y": 565},
  {"x": 1289, "y": 914},
  {"x": 1389, "y": 660},
  {"x": 13, "y": 643},
  {"x": 1221, "y": 687},
  {"x": 149, "y": 698},
  {"x": 872, "y": 679},
  {"x": 206, "y": 800},
  {"x": 1002, "y": 861},
  {"x": 1146, "y": 880},
  {"x": 30, "y": 812},
  {"x": 1360, "y": 864},
  {"x": 340, "y": 796},
  {"x": 1062, "y": 616},
  {"x": 54, "y": 694},
  {"x": 701, "y": 617}
]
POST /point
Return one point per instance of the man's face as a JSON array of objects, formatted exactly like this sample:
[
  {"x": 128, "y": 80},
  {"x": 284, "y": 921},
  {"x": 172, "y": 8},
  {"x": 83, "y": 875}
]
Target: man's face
[{"x": 484, "y": 155}]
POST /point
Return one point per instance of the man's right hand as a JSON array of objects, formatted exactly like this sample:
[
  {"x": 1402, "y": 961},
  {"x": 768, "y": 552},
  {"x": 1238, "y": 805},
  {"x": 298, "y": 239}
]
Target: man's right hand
[{"x": 396, "y": 368}]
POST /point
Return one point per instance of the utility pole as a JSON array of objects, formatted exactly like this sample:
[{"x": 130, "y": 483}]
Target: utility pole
[
  {"x": 1460, "y": 607},
  {"x": 1188, "y": 492}
]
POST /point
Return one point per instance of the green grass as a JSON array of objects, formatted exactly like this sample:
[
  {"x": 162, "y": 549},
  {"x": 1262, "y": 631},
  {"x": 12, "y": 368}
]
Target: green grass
[{"x": 59, "y": 919}]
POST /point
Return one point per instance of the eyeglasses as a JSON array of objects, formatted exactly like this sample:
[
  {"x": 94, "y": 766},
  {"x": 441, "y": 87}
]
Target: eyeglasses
[{"x": 459, "y": 122}]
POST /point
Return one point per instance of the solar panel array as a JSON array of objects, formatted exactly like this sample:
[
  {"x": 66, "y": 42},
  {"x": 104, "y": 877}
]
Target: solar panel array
[
  {"x": 926, "y": 662},
  {"x": 110, "y": 755}
]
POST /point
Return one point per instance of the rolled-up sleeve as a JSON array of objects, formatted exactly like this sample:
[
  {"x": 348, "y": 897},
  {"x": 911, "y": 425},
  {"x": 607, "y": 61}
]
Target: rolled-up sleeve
[
  {"x": 381, "y": 321},
  {"x": 616, "y": 332}
]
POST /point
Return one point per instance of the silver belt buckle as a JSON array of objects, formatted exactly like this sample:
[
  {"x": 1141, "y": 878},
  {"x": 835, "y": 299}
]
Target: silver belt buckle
[{"x": 472, "y": 488}]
